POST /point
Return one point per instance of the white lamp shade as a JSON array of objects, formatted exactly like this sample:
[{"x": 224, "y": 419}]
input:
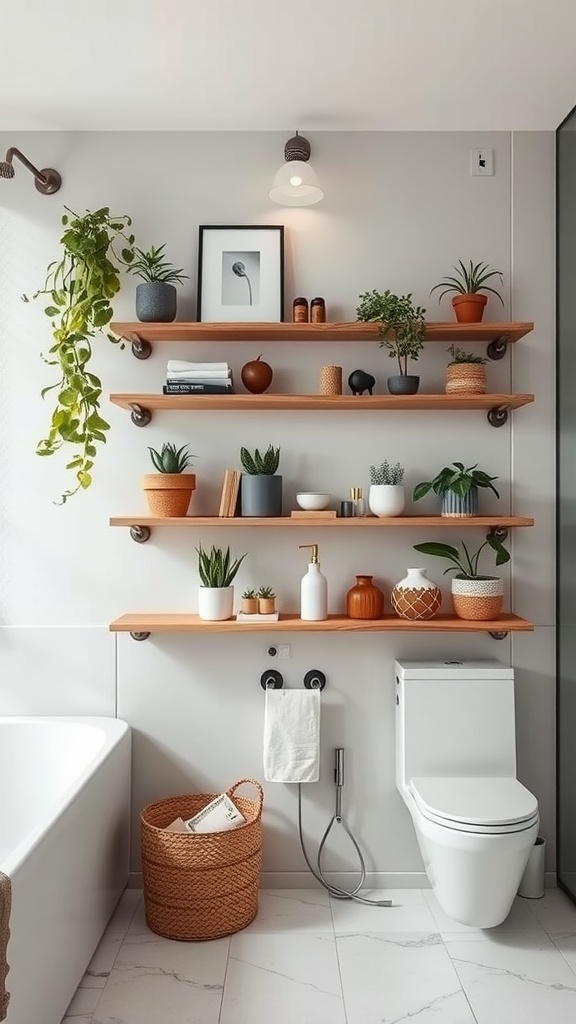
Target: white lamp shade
[{"x": 296, "y": 184}]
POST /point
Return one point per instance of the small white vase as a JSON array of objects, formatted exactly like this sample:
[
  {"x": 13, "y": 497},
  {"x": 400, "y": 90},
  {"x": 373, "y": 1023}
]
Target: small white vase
[
  {"x": 416, "y": 597},
  {"x": 386, "y": 499},
  {"x": 215, "y": 603}
]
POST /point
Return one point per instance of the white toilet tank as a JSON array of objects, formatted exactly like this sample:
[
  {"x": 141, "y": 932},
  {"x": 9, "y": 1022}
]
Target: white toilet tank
[{"x": 454, "y": 718}]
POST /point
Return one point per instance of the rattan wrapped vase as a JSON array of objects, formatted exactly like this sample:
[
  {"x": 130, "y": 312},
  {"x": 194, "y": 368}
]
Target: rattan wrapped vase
[
  {"x": 466, "y": 379},
  {"x": 478, "y": 598},
  {"x": 200, "y": 886}
]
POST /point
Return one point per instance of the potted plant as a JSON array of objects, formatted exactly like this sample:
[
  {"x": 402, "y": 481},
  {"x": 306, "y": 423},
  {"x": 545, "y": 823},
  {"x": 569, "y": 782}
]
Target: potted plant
[
  {"x": 250, "y": 602},
  {"x": 216, "y": 593},
  {"x": 469, "y": 284},
  {"x": 266, "y": 601},
  {"x": 457, "y": 485},
  {"x": 474, "y": 596},
  {"x": 81, "y": 286},
  {"x": 465, "y": 373},
  {"x": 168, "y": 491},
  {"x": 386, "y": 494},
  {"x": 402, "y": 330},
  {"x": 260, "y": 487},
  {"x": 156, "y": 297}
]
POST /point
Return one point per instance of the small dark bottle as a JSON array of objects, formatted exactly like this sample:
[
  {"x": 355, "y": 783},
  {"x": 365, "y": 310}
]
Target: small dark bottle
[
  {"x": 300, "y": 310},
  {"x": 318, "y": 311}
]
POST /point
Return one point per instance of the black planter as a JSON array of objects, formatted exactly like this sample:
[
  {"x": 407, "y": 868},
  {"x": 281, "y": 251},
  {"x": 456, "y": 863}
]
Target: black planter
[
  {"x": 260, "y": 495},
  {"x": 406, "y": 384},
  {"x": 156, "y": 302}
]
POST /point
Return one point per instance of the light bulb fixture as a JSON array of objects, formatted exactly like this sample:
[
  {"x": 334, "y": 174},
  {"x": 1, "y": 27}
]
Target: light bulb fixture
[
  {"x": 296, "y": 182},
  {"x": 47, "y": 180}
]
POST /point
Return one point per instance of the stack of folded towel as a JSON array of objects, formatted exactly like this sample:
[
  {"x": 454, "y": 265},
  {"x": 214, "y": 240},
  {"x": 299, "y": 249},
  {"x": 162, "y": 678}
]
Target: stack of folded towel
[{"x": 184, "y": 378}]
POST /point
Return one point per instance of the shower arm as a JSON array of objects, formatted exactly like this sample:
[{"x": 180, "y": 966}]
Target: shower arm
[
  {"x": 13, "y": 152},
  {"x": 47, "y": 180}
]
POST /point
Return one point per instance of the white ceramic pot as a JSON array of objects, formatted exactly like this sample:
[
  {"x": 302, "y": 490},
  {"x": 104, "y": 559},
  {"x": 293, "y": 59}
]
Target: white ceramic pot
[
  {"x": 215, "y": 603},
  {"x": 386, "y": 499}
]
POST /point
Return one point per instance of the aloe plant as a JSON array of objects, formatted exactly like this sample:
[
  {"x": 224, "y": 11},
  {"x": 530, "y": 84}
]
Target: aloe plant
[
  {"x": 466, "y": 564},
  {"x": 266, "y": 592},
  {"x": 215, "y": 567},
  {"x": 171, "y": 459},
  {"x": 153, "y": 266},
  {"x": 260, "y": 464},
  {"x": 249, "y": 595},
  {"x": 469, "y": 279}
]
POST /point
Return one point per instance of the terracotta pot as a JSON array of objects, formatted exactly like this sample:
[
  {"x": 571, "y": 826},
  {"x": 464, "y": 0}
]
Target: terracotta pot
[
  {"x": 266, "y": 605},
  {"x": 469, "y": 309},
  {"x": 168, "y": 494},
  {"x": 364, "y": 600},
  {"x": 479, "y": 598},
  {"x": 466, "y": 379},
  {"x": 416, "y": 597},
  {"x": 250, "y": 605}
]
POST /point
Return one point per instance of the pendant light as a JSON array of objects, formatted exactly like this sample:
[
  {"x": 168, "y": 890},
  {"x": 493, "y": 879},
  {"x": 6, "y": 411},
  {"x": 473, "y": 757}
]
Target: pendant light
[{"x": 296, "y": 182}]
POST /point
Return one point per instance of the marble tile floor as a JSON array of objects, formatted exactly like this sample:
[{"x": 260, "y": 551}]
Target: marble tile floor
[{"x": 311, "y": 959}]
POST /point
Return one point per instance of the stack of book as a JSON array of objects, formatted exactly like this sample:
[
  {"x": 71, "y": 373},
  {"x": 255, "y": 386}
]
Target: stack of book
[{"x": 184, "y": 378}]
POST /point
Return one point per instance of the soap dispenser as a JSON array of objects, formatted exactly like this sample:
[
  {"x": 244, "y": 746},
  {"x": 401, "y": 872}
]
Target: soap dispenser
[{"x": 313, "y": 590}]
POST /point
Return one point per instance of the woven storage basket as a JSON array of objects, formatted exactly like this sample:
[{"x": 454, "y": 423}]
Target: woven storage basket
[{"x": 200, "y": 885}]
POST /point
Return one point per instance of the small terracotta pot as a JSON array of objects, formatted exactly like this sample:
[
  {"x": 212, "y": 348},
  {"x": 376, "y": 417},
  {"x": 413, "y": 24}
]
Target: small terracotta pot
[
  {"x": 469, "y": 309},
  {"x": 168, "y": 494},
  {"x": 466, "y": 379},
  {"x": 250, "y": 605},
  {"x": 266, "y": 605}
]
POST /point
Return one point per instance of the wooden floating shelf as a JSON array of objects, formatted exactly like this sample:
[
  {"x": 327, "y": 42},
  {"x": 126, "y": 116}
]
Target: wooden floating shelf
[
  {"x": 332, "y": 403},
  {"x": 146, "y": 623},
  {"x": 355, "y": 331},
  {"x": 369, "y": 522}
]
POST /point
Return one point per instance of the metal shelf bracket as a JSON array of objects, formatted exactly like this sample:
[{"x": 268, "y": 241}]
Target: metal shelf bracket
[
  {"x": 140, "y": 533},
  {"x": 497, "y": 349},
  {"x": 499, "y": 533},
  {"x": 499, "y": 634},
  {"x": 498, "y": 416},
  {"x": 141, "y": 349},
  {"x": 139, "y": 636},
  {"x": 140, "y": 416}
]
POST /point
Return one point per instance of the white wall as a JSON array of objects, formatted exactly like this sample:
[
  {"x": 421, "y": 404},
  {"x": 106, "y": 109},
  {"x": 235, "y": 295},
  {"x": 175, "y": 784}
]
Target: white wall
[{"x": 400, "y": 208}]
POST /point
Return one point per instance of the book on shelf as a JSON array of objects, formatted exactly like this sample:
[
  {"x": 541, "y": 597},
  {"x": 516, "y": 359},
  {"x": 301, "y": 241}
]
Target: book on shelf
[
  {"x": 229, "y": 496},
  {"x": 246, "y": 617},
  {"x": 176, "y": 366},
  {"x": 199, "y": 375},
  {"x": 234, "y": 493},
  {"x": 198, "y": 389},
  {"x": 217, "y": 381}
]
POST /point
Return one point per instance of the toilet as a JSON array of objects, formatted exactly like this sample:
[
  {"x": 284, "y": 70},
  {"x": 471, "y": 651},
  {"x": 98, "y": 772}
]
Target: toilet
[{"x": 475, "y": 822}]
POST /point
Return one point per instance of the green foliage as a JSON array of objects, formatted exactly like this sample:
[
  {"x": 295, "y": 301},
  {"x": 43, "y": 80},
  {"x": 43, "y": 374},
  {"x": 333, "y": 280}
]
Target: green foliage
[
  {"x": 460, "y": 356},
  {"x": 266, "y": 592},
  {"x": 249, "y": 595},
  {"x": 455, "y": 478},
  {"x": 387, "y": 474},
  {"x": 401, "y": 324},
  {"x": 171, "y": 459},
  {"x": 215, "y": 567},
  {"x": 466, "y": 564},
  {"x": 153, "y": 266},
  {"x": 469, "y": 280},
  {"x": 260, "y": 464},
  {"x": 81, "y": 286}
]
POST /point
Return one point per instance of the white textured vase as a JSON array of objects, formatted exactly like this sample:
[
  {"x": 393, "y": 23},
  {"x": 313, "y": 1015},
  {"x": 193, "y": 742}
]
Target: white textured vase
[
  {"x": 416, "y": 597},
  {"x": 386, "y": 500},
  {"x": 215, "y": 603}
]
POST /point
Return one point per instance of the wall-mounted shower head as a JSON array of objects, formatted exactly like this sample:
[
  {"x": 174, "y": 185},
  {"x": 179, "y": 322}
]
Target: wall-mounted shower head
[{"x": 47, "y": 180}]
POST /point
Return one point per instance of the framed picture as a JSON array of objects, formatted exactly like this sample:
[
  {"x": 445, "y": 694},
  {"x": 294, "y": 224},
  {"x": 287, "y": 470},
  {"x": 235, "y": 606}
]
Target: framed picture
[{"x": 241, "y": 273}]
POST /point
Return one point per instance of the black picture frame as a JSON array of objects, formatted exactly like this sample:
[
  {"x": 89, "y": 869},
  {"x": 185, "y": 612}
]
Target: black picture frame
[{"x": 240, "y": 273}]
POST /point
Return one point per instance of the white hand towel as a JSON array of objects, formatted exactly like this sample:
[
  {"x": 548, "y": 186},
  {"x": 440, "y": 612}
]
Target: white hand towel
[
  {"x": 292, "y": 736},
  {"x": 183, "y": 366}
]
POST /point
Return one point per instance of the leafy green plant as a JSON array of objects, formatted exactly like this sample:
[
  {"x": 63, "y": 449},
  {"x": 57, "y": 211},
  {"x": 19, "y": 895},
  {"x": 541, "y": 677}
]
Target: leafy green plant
[
  {"x": 459, "y": 355},
  {"x": 260, "y": 464},
  {"x": 455, "y": 478},
  {"x": 402, "y": 324},
  {"x": 465, "y": 564},
  {"x": 266, "y": 592},
  {"x": 249, "y": 595},
  {"x": 153, "y": 266},
  {"x": 386, "y": 474},
  {"x": 216, "y": 568},
  {"x": 469, "y": 279},
  {"x": 80, "y": 287},
  {"x": 171, "y": 459}
]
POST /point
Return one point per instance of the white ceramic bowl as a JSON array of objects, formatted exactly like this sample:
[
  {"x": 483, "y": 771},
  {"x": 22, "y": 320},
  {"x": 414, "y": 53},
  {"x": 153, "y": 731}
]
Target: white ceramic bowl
[{"x": 313, "y": 501}]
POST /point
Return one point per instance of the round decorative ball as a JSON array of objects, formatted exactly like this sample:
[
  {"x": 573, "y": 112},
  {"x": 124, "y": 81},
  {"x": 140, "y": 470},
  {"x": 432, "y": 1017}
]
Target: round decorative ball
[{"x": 257, "y": 376}]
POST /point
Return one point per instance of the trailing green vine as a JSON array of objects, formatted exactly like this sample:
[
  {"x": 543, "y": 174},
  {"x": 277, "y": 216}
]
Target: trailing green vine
[{"x": 81, "y": 286}]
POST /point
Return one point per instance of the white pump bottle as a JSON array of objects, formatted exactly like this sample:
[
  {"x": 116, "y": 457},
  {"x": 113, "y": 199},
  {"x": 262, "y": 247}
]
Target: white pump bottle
[{"x": 313, "y": 590}]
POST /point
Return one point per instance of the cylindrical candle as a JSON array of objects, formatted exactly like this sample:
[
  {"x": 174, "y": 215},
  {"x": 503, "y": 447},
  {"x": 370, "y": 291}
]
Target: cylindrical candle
[{"x": 330, "y": 380}]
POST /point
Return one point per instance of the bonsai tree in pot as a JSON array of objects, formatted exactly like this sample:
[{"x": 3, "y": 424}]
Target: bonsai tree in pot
[
  {"x": 474, "y": 596},
  {"x": 402, "y": 331},
  {"x": 217, "y": 571},
  {"x": 465, "y": 373},
  {"x": 386, "y": 494},
  {"x": 168, "y": 491},
  {"x": 260, "y": 487},
  {"x": 469, "y": 283},
  {"x": 156, "y": 298},
  {"x": 457, "y": 485}
]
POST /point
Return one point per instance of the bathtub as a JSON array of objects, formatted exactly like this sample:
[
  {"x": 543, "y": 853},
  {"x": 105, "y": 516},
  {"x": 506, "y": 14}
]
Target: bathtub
[{"x": 64, "y": 843}]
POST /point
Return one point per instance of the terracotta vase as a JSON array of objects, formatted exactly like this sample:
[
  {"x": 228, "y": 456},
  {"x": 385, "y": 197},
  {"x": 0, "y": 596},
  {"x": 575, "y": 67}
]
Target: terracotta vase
[
  {"x": 364, "y": 600},
  {"x": 469, "y": 309},
  {"x": 416, "y": 597}
]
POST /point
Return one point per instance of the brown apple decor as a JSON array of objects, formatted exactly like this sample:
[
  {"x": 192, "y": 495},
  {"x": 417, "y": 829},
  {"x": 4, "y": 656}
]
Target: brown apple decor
[{"x": 257, "y": 376}]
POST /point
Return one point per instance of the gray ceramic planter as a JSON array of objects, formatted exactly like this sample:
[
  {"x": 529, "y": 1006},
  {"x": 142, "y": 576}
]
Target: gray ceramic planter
[
  {"x": 156, "y": 302},
  {"x": 260, "y": 495},
  {"x": 406, "y": 384},
  {"x": 465, "y": 506}
]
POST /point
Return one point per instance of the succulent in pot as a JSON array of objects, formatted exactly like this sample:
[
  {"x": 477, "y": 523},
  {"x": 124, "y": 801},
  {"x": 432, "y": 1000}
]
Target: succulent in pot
[
  {"x": 168, "y": 491},
  {"x": 266, "y": 600},
  {"x": 465, "y": 373},
  {"x": 402, "y": 330},
  {"x": 457, "y": 485},
  {"x": 250, "y": 602},
  {"x": 474, "y": 596},
  {"x": 217, "y": 571},
  {"x": 386, "y": 494},
  {"x": 469, "y": 283},
  {"x": 260, "y": 485},
  {"x": 156, "y": 297}
]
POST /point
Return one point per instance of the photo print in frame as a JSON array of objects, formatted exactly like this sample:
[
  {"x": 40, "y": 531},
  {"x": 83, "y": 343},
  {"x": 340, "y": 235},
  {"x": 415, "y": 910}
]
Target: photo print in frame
[{"x": 241, "y": 273}]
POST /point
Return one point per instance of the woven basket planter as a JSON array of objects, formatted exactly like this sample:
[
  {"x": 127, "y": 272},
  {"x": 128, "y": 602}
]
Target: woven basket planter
[
  {"x": 200, "y": 886},
  {"x": 480, "y": 598},
  {"x": 466, "y": 379},
  {"x": 168, "y": 494}
]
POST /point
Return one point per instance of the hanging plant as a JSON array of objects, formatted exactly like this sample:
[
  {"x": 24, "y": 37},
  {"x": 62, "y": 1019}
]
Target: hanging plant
[{"x": 81, "y": 286}]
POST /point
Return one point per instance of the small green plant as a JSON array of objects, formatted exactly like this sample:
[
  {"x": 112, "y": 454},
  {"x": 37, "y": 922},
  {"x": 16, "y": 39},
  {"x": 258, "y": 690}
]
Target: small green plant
[
  {"x": 456, "y": 478},
  {"x": 215, "y": 568},
  {"x": 466, "y": 564},
  {"x": 171, "y": 459},
  {"x": 260, "y": 464},
  {"x": 469, "y": 280},
  {"x": 459, "y": 355},
  {"x": 266, "y": 592},
  {"x": 386, "y": 474},
  {"x": 153, "y": 266},
  {"x": 402, "y": 324},
  {"x": 249, "y": 595}
]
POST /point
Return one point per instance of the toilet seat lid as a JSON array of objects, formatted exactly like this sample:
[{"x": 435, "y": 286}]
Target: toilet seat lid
[{"x": 475, "y": 801}]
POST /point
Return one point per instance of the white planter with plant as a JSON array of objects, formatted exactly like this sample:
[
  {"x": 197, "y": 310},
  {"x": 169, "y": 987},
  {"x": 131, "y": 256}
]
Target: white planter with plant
[
  {"x": 402, "y": 330},
  {"x": 216, "y": 594},
  {"x": 474, "y": 597},
  {"x": 466, "y": 373},
  {"x": 156, "y": 297},
  {"x": 469, "y": 285},
  {"x": 386, "y": 497},
  {"x": 169, "y": 490},
  {"x": 457, "y": 486}
]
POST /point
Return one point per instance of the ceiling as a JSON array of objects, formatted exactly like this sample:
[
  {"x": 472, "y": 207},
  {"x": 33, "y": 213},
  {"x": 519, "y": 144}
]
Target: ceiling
[{"x": 238, "y": 65}]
